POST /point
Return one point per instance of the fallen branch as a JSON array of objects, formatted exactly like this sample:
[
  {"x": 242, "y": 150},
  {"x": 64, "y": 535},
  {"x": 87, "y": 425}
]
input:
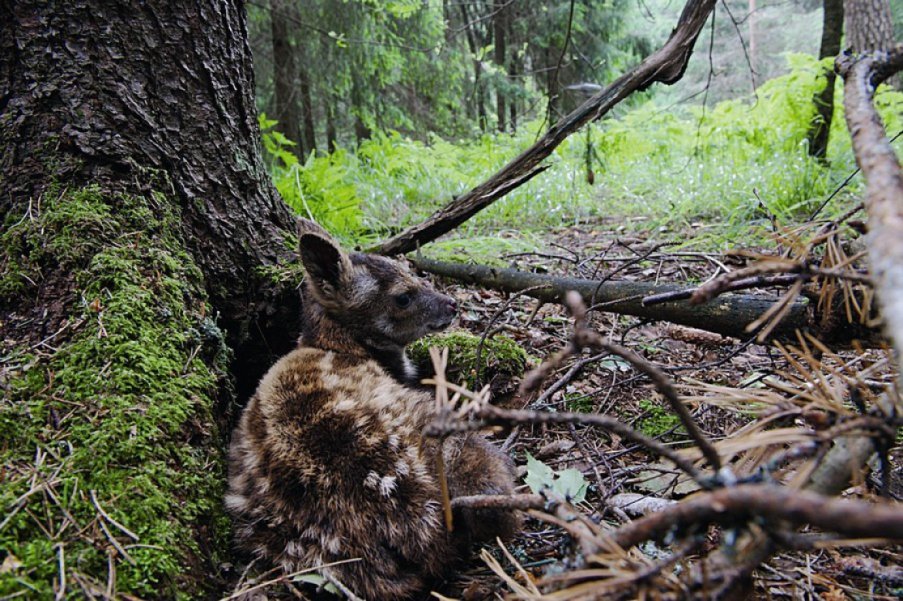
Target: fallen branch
[
  {"x": 884, "y": 180},
  {"x": 730, "y": 316},
  {"x": 739, "y": 504},
  {"x": 754, "y": 277},
  {"x": 522, "y": 502},
  {"x": 667, "y": 66}
]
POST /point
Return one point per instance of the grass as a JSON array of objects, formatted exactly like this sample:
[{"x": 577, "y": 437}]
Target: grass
[{"x": 719, "y": 174}]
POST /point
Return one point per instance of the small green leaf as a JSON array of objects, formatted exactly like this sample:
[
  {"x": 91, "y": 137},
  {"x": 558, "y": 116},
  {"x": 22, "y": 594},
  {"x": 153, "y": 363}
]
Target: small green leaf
[
  {"x": 318, "y": 581},
  {"x": 571, "y": 485},
  {"x": 539, "y": 475},
  {"x": 310, "y": 578}
]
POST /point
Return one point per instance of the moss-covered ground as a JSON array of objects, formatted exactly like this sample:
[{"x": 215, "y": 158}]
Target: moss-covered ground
[
  {"x": 498, "y": 361},
  {"x": 110, "y": 463}
]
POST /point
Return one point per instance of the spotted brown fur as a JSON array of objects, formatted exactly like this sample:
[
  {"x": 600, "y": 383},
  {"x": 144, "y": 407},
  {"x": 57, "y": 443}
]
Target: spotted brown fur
[{"x": 328, "y": 463}]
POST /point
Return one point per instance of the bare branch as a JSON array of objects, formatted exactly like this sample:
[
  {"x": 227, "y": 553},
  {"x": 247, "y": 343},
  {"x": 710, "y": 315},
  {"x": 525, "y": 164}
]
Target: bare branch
[
  {"x": 667, "y": 65},
  {"x": 522, "y": 502},
  {"x": 884, "y": 181},
  {"x": 729, "y": 316},
  {"x": 855, "y": 519}
]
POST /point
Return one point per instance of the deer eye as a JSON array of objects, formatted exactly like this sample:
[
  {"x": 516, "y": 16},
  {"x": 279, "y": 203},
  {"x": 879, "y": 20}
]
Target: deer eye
[{"x": 403, "y": 300}]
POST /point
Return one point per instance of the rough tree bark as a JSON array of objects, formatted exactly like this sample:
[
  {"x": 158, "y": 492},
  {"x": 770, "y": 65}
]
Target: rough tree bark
[
  {"x": 869, "y": 25},
  {"x": 666, "y": 65},
  {"x": 884, "y": 179},
  {"x": 138, "y": 222},
  {"x": 832, "y": 32}
]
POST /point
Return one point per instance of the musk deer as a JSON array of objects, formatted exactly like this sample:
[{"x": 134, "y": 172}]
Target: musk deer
[{"x": 328, "y": 463}]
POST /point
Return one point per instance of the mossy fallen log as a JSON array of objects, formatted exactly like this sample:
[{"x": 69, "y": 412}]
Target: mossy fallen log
[
  {"x": 728, "y": 314},
  {"x": 112, "y": 465},
  {"x": 497, "y": 361}
]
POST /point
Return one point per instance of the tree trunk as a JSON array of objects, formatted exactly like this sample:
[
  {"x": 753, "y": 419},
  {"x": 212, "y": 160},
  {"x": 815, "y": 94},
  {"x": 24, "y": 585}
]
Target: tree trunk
[
  {"x": 513, "y": 60},
  {"x": 474, "y": 46},
  {"x": 288, "y": 105},
  {"x": 512, "y": 102},
  {"x": 869, "y": 25},
  {"x": 553, "y": 90},
  {"x": 498, "y": 27},
  {"x": 832, "y": 31},
  {"x": 332, "y": 138},
  {"x": 361, "y": 131},
  {"x": 138, "y": 220},
  {"x": 307, "y": 107}
]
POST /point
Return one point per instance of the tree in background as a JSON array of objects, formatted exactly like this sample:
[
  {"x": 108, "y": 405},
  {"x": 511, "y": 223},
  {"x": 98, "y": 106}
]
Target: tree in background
[
  {"x": 287, "y": 97},
  {"x": 429, "y": 67},
  {"x": 832, "y": 32},
  {"x": 869, "y": 25}
]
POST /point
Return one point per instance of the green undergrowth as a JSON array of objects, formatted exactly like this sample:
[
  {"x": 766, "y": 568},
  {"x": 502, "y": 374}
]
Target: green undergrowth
[
  {"x": 500, "y": 359},
  {"x": 656, "y": 419},
  {"x": 703, "y": 177},
  {"x": 114, "y": 412}
]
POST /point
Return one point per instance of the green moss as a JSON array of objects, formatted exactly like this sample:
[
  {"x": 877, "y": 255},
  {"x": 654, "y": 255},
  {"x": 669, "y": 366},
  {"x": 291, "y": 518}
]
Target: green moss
[
  {"x": 280, "y": 274},
  {"x": 657, "y": 419},
  {"x": 119, "y": 402},
  {"x": 501, "y": 358},
  {"x": 578, "y": 403}
]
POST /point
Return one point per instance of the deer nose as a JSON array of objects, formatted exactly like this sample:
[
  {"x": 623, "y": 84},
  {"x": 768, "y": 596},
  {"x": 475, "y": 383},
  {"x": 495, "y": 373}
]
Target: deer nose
[{"x": 452, "y": 305}]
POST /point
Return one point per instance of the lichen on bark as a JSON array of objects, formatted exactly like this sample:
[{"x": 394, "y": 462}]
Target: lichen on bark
[{"x": 112, "y": 463}]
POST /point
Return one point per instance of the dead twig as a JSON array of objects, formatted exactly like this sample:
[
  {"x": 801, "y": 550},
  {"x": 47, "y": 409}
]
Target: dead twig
[
  {"x": 521, "y": 502},
  {"x": 490, "y": 415},
  {"x": 740, "y": 504},
  {"x": 585, "y": 337}
]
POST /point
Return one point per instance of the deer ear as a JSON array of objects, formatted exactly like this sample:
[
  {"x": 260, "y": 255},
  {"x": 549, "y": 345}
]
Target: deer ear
[
  {"x": 306, "y": 226},
  {"x": 327, "y": 267}
]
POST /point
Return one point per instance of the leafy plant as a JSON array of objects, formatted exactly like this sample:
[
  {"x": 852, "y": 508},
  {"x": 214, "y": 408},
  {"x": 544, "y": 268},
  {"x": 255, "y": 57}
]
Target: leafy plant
[
  {"x": 316, "y": 189},
  {"x": 742, "y": 162},
  {"x": 569, "y": 484}
]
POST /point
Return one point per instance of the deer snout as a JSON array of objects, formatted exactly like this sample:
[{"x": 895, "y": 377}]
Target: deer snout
[
  {"x": 451, "y": 305},
  {"x": 446, "y": 311}
]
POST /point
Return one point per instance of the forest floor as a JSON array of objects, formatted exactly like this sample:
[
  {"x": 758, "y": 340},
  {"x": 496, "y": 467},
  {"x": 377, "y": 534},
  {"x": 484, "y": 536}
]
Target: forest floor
[
  {"x": 739, "y": 393},
  {"x": 697, "y": 362}
]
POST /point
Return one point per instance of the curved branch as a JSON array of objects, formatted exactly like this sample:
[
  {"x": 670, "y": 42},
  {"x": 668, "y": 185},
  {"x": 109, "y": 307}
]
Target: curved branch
[
  {"x": 667, "y": 65},
  {"x": 884, "y": 181}
]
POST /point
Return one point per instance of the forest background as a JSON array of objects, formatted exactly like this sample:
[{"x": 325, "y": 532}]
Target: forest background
[{"x": 419, "y": 101}]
